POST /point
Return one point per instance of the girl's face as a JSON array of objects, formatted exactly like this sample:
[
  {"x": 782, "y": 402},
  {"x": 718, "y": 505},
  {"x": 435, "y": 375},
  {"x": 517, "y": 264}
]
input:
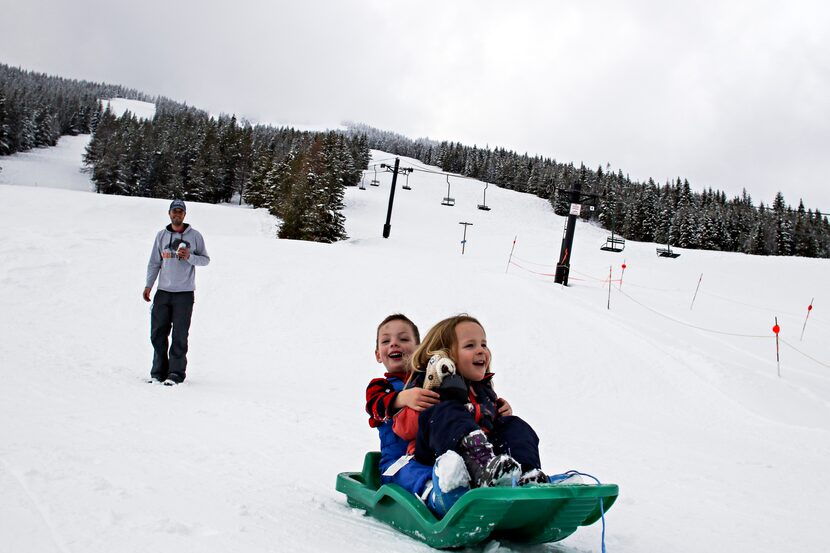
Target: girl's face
[
  {"x": 396, "y": 343},
  {"x": 472, "y": 358}
]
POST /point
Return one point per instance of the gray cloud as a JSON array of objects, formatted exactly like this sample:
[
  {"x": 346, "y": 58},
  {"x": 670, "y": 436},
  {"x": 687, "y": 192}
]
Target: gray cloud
[{"x": 726, "y": 94}]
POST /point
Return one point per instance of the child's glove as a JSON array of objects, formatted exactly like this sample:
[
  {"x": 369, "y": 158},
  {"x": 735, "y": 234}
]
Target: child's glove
[{"x": 439, "y": 367}]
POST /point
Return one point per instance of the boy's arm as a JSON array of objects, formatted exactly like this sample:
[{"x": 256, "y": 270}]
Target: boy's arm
[
  {"x": 380, "y": 399},
  {"x": 415, "y": 396}
]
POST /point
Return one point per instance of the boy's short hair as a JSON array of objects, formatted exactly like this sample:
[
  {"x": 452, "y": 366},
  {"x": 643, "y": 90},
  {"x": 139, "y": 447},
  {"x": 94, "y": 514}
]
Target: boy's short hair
[{"x": 398, "y": 317}]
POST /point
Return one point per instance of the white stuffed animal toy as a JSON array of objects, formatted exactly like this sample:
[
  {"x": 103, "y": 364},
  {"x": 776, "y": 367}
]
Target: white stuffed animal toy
[{"x": 439, "y": 367}]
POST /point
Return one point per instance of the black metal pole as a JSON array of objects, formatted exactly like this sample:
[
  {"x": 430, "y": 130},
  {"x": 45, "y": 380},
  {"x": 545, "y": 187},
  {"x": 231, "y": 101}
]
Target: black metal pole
[
  {"x": 388, "y": 227},
  {"x": 464, "y": 240},
  {"x": 564, "y": 265}
]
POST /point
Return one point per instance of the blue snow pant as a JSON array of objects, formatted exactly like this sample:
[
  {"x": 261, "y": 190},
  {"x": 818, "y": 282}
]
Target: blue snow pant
[
  {"x": 170, "y": 310},
  {"x": 442, "y": 426},
  {"x": 412, "y": 477}
]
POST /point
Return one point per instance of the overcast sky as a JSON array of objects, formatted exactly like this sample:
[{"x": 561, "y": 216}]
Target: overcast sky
[{"x": 728, "y": 94}]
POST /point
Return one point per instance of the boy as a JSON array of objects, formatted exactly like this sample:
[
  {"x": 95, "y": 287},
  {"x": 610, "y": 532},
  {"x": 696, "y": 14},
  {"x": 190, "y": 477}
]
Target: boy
[{"x": 396, "y": 340}]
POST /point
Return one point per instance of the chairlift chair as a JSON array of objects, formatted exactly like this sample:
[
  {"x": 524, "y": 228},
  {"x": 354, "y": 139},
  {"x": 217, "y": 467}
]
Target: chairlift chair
[
  {"x": 448, "y": 201},
  {"x": 483, "y": 206},
  {"x": 375, "y": 181},
  {"x": 667, "y": 252},
  {"x": 613, "y": 244}
]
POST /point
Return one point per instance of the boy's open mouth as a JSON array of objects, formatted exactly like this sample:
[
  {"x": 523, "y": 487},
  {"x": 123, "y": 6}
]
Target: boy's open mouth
[{"x": 396, "y": 355}]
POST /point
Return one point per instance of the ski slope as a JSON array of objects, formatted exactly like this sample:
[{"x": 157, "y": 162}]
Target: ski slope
[{"x": 682, "y": 408}]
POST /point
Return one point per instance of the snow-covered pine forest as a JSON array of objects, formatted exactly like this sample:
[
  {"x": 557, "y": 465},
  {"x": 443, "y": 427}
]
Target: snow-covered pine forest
[{"x": 300, "y": 176}]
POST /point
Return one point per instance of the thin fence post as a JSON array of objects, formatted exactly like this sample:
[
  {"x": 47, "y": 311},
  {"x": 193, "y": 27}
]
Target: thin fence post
[
  {"x": 696, "y": 289},
  {"x": 809, "y": 308},
  {"x": 610, "y": 269},
  {"x": 776, "y": 329},
  {"x": 510, "y": 258}
]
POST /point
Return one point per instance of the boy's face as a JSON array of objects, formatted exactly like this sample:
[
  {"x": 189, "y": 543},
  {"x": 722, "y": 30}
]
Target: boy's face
[
  {"x": 396, "y": 343},
  {"x": 472, "y": 358}
]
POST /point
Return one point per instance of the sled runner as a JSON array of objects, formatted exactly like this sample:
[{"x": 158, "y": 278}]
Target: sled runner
[{"x": 531, "y": 514}]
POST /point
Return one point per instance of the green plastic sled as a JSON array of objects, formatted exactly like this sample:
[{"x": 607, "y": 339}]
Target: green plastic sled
[{"x": 530, "y": 514}]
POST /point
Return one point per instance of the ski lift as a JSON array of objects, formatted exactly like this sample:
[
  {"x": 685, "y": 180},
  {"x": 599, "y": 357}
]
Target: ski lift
[
  {"x": 613, "y": 244},
  {"x": 406, "y": 185},
  {"x": 483, "y": 206},
  {"x": 667, "y": 252},
  {"x": 363, "y": 182},
  {"x": 375, "y": 181},
  {"x": 449, "y": 201}
]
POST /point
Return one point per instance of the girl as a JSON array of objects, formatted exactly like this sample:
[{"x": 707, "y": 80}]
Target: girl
[{"x": 471, "y": 420}]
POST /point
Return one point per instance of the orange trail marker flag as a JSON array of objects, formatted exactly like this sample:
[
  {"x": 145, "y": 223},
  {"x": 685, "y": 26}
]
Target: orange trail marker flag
[
  {"x": 777, "y": 329},
  {"x": 509, "y": 259},
  {"x": 809, "y": 308}
]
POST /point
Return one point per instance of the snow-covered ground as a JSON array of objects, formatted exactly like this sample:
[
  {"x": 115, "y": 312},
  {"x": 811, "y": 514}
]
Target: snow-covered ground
[
  {"x": 681, "y": 407},
  {"x": 142, "y": 110}
]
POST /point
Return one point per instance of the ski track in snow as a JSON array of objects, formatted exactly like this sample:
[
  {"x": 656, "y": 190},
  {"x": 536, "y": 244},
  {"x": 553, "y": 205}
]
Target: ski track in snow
[{"x": 711, "y": 449}]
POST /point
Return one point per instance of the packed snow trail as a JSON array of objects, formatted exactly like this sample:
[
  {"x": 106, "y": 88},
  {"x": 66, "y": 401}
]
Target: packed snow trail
[{"x": 710, "y": 448}]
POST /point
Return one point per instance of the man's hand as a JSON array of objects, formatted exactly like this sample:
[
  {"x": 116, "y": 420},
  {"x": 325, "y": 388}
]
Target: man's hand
[
  {"x": 504, "y": 408},
  {"x": 417, "y": 399},
  {"x": 183, "y": 253},
  {"x": 147, "y": 294}
]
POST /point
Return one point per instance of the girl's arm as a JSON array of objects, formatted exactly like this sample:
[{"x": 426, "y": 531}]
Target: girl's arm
[{"x": 504, "y": 408}]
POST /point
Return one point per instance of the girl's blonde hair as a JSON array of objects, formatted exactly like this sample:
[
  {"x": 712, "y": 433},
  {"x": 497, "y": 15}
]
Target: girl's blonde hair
[{"x": 440, "y": 337}]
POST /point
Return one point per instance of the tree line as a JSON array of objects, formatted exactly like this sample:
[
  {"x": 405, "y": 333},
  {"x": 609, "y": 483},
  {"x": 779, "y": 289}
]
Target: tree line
[
  {"x": 37, "y": 109},
  {"x": 670, "y": 213},
  {"x": 183, "y": 152},
  {"x": 300, "y": 176}
]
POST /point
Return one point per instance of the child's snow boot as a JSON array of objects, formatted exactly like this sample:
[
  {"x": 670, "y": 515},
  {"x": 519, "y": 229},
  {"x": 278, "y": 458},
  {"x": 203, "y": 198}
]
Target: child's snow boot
[
  {"x": 533, "y": 476},
  {"x": 450, "y": 481},
  {"x": 487, "y": 469}
]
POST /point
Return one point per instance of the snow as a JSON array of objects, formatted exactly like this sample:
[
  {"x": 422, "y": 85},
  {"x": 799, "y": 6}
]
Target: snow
[
  {"x": 451, "y": 472},
  {"x": 142, "y": 110},
  {"x": 681, "y": 407}
]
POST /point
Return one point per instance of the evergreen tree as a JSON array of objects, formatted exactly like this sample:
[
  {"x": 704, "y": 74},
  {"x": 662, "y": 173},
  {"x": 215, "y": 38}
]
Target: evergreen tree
[
  {"x": 5, "y": 130},
  {"x": 255, "y": 193},
  {"x": 648, "y": 212}
]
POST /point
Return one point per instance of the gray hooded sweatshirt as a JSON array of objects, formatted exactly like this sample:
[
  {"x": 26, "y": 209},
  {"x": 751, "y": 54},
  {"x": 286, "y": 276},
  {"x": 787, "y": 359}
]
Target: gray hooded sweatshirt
[{"x": 174, "y": 274}]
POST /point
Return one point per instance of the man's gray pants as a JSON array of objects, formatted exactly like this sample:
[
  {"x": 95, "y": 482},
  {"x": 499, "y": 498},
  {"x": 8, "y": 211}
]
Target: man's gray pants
[{"x": 170, "y": 310}]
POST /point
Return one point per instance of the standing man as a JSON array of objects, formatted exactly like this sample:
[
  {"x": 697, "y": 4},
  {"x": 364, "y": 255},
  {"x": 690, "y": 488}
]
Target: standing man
[{"x": 177, "y": 250}]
